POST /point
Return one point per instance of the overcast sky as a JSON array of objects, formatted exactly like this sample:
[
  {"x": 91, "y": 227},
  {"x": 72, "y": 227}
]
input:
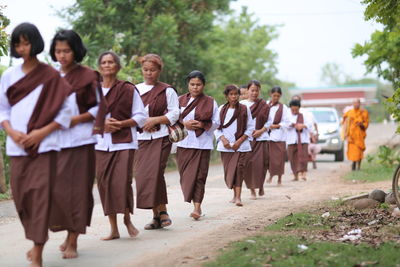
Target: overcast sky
[{"x": 312, "y": 32}]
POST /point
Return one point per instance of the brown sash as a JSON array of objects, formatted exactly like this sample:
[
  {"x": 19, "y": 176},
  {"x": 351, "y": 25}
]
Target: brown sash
[
  {"x": 260, "y": 111},
  {"x": 118, "y": 102},
  {"x": 278, "y": 114},
  {"x": 300, "y": 120},
  {"x": 156, "y": 98},
  {"x": 84, "y": 82},
  {"x": 203, "y": 112},
  {"x": 54, "y": 92},
  {"x": 240, "y": 114}
]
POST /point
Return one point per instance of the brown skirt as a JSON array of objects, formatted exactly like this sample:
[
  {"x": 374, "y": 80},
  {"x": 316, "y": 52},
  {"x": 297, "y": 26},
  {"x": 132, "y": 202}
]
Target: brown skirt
[
  {"x": 114, "y": 180},
  {"x": 72, "y": 197},
  {"x": 151, "y": 161},
  {"x": 257, "y": 166},
  {"x": 298, "y": 163},
  {"x": 31, "y": 183},
  {"x": 277, "y": 157},
  {"x": 234, "y": 167},
  {"x": 193, "y": 168}
]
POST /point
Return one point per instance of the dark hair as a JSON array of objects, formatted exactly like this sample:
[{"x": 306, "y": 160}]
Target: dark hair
[
  {"x": 29, "y": 32},
  {"x": 115, "y": 57},
  {"x": 276, "y": 89},
  {"x": 196, "y": 74},
  {"x": 229, "y": 88},
  {"x": 294, "y": 103},
  {"x": 243, "y": 86},
  {"x": 74, "y": 41},
  {"x": 255, "y": 82},
  {"x": 296, "y": 96}
]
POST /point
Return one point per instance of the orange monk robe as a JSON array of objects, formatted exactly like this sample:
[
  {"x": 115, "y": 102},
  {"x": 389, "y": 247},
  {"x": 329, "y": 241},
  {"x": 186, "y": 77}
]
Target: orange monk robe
[{"x": 356, "y": 134}]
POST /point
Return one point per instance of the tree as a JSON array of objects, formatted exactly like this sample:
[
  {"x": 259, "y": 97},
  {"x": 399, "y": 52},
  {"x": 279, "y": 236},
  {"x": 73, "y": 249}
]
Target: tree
[
  {"x": 4, "y": 22},
  {"x": 332, "y": 74},
  {"x": 176, "y": 30},
  {"x": 383, "y": 49},
  {"x": 238, "y": 52}
]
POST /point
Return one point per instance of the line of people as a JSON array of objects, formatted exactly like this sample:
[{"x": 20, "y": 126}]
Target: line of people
[{"x": 67, "y": 127}]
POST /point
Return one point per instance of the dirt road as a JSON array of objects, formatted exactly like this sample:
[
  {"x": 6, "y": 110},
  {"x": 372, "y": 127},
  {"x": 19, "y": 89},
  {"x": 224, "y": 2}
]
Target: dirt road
[{"x": 188, "y": 242}]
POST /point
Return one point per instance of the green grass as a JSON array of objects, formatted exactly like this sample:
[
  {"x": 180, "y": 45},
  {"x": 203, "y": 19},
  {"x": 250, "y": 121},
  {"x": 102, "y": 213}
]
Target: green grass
[
  {"x": 371, "y": 172},
  {"x": 298, "y": 221},
  {"x": 280, "y": 250},
  {"x": 5, "y": 196}
]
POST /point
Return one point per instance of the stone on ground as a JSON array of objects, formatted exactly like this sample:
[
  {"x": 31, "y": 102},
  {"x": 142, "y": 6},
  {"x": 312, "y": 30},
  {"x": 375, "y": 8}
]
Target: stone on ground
[
  {"x": 366, "y": 203},
  {"x": 390, "y": 198},
  {"x": 378, "y": 195}
]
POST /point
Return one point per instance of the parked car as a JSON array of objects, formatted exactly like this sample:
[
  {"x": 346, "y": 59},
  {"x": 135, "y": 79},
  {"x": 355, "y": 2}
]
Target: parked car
[{"x": 328, "y": 123}]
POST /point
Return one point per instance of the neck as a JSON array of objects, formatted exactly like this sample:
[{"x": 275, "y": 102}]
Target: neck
[
  {"x": 66, "y": 69},
  {"x": 150, "y": 82},
  {"x": 108, "y": 81},
  {"x": 29, "y": 64},
  {"x": 232, "y": 104}
]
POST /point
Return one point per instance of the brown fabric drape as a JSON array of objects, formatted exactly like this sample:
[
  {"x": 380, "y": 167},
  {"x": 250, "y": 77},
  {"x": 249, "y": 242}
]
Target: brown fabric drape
[{"x": 240, "y": 114}]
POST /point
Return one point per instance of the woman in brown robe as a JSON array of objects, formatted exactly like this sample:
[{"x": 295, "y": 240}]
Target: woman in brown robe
[
  {"x": 162, "y": 107},
  {"x": 233, "y": 134},
  {"x": 199, "y": 115},
  {"x": 76, "y": 160},
  {"x": 120, "y": 111},
  {"x": 258, "y": 160}
]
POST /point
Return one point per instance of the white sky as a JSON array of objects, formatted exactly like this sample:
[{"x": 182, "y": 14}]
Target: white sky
[{"x": 313, "y": 32}]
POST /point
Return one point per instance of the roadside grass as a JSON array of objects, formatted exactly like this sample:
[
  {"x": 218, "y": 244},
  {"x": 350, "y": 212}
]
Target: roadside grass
[
  {"x": 5, "y": 196},
  {"x": 308, "y": 239},
  {"x": 280, "y": 250},
  {"x": 371, "y": 172}
]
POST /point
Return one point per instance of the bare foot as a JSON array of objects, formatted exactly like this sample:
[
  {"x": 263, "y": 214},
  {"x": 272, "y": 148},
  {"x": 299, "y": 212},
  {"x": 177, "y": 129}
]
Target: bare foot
[
  {"x": 195, "y": 215},
  {"x": 112, "y": 236},
  {"x": 261, "y": 192},
  {"x": 269, "y": 180},
  {"x": 238, "y": 203},
  {"x": 132, "y": 230},
  {"x": 29, "y": 255},
  {"x": 35, "y": 264},
  {"x": 304, "y": 178},
  {"x": 36, "y": 256},
  {"x": 295, "y": 180},
  {"x": 279, "y": 183},
  {"x": 253, "y": 194},
  {"x": 70, "y": 252},
  {"x": 233, "y": 200},
  {"x": 64, "y": 245}
]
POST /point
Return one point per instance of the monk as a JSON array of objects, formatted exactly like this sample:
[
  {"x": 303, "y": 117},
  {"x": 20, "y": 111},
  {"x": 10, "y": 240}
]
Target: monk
[{"x": 356, "y": 121}]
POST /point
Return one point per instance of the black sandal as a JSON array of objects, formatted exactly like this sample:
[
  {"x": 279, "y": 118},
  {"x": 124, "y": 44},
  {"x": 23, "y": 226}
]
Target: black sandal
[
  {"x": 155, "y": 224},
  {"x": 165, "y": 222}
]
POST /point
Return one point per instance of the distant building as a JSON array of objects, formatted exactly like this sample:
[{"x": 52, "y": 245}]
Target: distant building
[{"x": 338, "y": 97}]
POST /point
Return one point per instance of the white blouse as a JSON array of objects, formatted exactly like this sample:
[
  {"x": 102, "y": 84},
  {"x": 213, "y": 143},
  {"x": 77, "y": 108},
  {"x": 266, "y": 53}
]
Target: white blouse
[
  {"x": 230, "y": 131},
  {"x": 21, "y": 112},
  {"x": 292, "y": 134},
  {"x": 172, "y": 114},
  {"x": 205, "y": 140},
  {"x": 104, "y": 143},
  {"x": 279, "y": 135},
  {"x": 80, "y": 134},
  {"x": 264, "y": 136}
]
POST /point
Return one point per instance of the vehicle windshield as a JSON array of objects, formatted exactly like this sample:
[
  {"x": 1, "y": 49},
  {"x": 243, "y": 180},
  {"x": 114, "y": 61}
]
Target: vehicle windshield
[{"x": 324, "y": 116}]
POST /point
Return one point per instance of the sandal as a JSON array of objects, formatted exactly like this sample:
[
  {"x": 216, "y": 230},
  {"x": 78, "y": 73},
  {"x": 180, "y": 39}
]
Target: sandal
[
  {"x": 165, "y": 222},
  {"x": 155, "y": 224}
]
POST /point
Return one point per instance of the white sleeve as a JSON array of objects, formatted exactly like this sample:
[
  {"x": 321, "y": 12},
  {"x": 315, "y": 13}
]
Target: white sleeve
[
  {"x": 173, "y": 106},
  {"x": 93, "y": 111},
  {"x": 65, "y": 114},
  {"x": 139, "y": 114},
  {"x": 5, "y": 107},
  {"x": 285, "y": 122},
  {"x": 218, "y": 133},
  {"x": 250, "y": 124},
  {"x": 215, "y": 118}
]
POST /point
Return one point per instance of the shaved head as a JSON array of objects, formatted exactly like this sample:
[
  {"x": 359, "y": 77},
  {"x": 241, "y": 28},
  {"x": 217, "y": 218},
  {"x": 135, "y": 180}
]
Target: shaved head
[{"x": 356, "y": 103}]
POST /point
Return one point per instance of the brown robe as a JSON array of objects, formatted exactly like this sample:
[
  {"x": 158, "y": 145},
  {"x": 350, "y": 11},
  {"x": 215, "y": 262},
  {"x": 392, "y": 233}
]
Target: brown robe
[
  {"x": 257, "y": 165},
  {"x": 118, "y": 102},
  {"x": 240, "y": 114},
  {"x": 31, "y": 185},
  {"x": 298, "y": 153},
  {"x": 277, "y": 150},
  {"x": 54, "y": 92},
  {"x": 150, "y": 164},
  {"x": 234, "y": 167},
  {"x": 114, "y": 171},
  {"x": 72, "y": 198},
  {"x": 204, "y": 110},
  {"x": 193, "y": 167}
]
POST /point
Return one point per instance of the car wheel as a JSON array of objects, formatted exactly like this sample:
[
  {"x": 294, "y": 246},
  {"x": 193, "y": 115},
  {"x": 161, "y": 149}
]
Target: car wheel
[{"x": 339, "y": 155}]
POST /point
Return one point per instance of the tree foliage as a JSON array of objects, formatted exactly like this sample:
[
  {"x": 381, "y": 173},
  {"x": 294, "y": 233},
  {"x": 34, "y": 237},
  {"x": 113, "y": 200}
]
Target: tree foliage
[
  {"x": 4, "y": 22},
  {"x": 188, "y": 35},
  {"x": 382, "y": 51}
]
